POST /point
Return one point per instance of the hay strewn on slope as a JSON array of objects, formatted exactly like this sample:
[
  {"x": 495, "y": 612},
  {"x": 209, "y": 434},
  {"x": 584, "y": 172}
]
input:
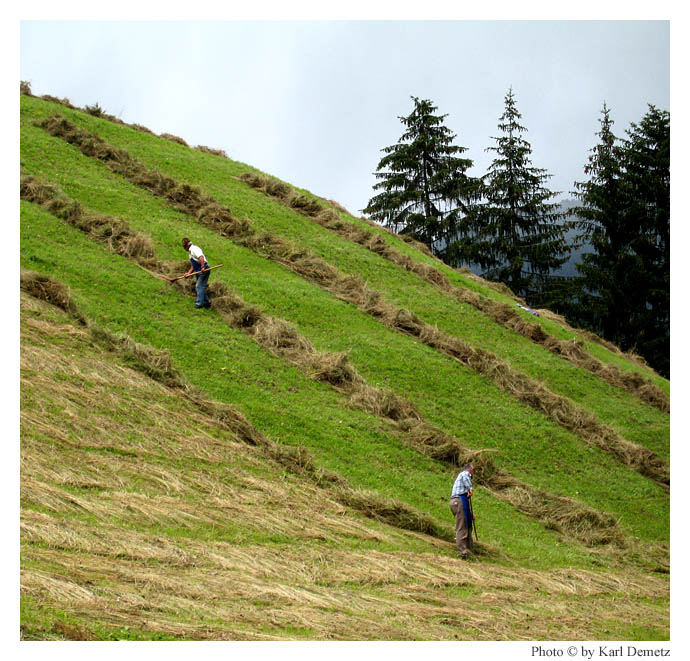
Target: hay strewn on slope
[
  {"x": 115, "y": 567},
  {"x": 284, "y": 340},
  {"x": 156, "y": 364},
  {"x": 47, "y": 289},
  {"x": 119, "y": 237},
  {"x": 173, "y": 138},
  {"x": 572, "y": 350}
]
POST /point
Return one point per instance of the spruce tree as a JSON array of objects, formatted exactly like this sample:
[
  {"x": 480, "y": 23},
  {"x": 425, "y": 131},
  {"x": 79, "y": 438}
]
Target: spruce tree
[
  {"x": 422, "y": 180},
  {"x": 516, "y": 234},
  {"x": 625, "y": 212},
  {"x": 610, "y": 271},
  {"x": 647, "y": 156}
]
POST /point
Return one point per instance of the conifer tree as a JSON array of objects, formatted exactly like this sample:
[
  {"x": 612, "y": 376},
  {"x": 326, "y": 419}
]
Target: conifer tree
[
  {"x": 606, "y": 271},
  {"x": 625, "y": 216},
  {"x": 516, "y": 234},
  {"x": 647, "y": 155},
  {"x": 422, "y": 180}
]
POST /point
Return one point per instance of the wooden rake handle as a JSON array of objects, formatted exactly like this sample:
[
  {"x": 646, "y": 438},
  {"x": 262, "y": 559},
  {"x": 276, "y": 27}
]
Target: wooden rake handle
[{"x": 179, "y": 277}]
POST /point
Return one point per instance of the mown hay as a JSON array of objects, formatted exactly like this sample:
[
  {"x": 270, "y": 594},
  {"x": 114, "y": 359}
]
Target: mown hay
[
  {"x": 136, "y": 246},
  {"x": 253, "y": 179},
  {"x": 330, "y": 219},
  {"x": 223, "y": 221},
  {"x": 297, "y": 459},
  {"x": 144, "y": 129},
  {"x": 432, "y": 442},
  {"x": 227, "y": 416},
  {"x": 566, "y": 516},
  {"x": 393, "y": 512},
  {"x": 209, "y": 150},
  {"x": 35, "y": 190},
  {"x": 174, "y": 138},
  {"x": 333, "y": 368},
  {"x": 120, "y": 238},
  {"x": 63, "y": 102},
  {"x": 336, "y": 370},
  {"x": 155, "y": 363},
  {"x": 277, "y": 188},
  {"x": 281, "y": 337},
  {"x": 382, "y": 402},
  {"x": 245, "y": 317},
  {"x": 47, "y": 289},
  {"x": 303, "y": 204},
  {"x": 25, "y": 87}
]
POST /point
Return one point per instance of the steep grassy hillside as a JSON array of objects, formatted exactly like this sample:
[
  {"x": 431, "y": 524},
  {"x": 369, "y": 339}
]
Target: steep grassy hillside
[{"x": 363, "y": 380}]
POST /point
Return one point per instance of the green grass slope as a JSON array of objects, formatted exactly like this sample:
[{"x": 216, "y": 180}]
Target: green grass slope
[{"x": 293, "y": 409}]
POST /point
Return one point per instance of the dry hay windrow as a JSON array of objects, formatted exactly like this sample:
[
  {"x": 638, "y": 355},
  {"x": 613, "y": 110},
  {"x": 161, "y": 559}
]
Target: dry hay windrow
[
  {"x": 190, "y": 200},
  {"x": 572, "y": 350},
  {"x": 210, "y": 150},
  {"x": 173, "y": 138},
  {"x": 47, "y": 289},
  {"x": 119, "y": 237},
  {"x": 284, "y": 340}
]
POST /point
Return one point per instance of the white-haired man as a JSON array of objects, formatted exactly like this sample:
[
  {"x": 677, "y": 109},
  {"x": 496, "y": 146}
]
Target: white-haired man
[{"x": 460, "y": 506}]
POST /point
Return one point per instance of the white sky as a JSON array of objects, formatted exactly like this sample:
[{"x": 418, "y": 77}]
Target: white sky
[{"x": 313, "y": 102}]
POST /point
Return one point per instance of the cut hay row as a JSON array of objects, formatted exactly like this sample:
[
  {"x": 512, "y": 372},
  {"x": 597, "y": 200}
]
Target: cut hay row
[
  {"x": 156, "y": 364},
  {"x": 569, "y": 517},
  {"x": 502, "y": 313},
  {"x": 208, "y": 212}
]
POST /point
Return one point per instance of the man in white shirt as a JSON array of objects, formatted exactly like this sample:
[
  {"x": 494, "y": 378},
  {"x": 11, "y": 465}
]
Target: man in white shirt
[
  {"x": 198, "y": 265},
  {"x": 460, "y": 506}
]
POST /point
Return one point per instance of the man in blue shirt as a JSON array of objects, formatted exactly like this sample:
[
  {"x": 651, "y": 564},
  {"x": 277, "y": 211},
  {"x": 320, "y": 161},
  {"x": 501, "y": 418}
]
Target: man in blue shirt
[
  {"x": 460, "y": 506},
  {"x": 198, "y": 265}
]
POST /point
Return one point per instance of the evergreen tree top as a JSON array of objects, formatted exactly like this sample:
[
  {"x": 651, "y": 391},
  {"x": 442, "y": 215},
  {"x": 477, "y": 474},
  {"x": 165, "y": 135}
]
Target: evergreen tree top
[{"x": 421, "y": 178}]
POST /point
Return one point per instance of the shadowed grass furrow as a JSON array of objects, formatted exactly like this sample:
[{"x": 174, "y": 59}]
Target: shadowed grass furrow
[
  {"x": 566, "y": 515},
  {"x": 572, "y": 350},
  {"x": 351, "y": 289}
]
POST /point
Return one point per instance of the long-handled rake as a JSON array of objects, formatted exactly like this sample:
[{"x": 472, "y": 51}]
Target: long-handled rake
[
  {"x": 187, "y": 275},
  {"x": 474, "y": 523}
]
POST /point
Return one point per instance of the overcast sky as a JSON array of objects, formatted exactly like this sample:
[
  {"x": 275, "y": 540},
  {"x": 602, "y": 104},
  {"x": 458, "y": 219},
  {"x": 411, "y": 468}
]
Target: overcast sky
[{"x": 314, "y": 102}]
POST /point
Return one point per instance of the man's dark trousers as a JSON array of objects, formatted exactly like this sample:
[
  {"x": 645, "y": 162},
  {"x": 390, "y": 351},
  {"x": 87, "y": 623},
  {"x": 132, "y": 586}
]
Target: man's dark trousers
[
  {"x": 463, "y": 527},
  {"x": 201, "y": 295}
]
